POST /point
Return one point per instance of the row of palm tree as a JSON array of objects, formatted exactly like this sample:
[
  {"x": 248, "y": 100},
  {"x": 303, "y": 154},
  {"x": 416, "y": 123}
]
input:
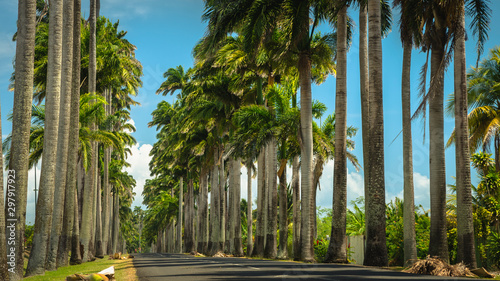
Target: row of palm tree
[
  {"x": 227, "y": 96},
  {"x": 82, "y": 75}
]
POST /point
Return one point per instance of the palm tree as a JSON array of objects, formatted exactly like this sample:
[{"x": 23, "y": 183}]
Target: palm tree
[
  {"x": 70, "y": 237},
  {"x": 25, "y": 46},
  {"x": 43, "y": 220},
  {"x": 63, "y": 135},
  {"x": 465, "y": 228},
  {"x": 337, "y": 248},
  {"x": 90, "y": 175},
  {"x": 406, "y": 22},
  {"x": 376, "y": 249}
]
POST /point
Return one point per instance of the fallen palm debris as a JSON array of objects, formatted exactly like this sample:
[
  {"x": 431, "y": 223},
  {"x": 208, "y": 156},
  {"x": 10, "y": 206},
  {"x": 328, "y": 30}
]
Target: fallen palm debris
[
  {"x": 107, "y": 274},
  {"x": 437, "y": 267}
]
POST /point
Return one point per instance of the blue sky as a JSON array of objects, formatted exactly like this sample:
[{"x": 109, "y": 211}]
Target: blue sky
[{"x": 165, "y": 33}]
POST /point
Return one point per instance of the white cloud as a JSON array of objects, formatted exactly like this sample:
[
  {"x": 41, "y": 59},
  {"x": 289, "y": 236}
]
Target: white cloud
[{"x": 139, "y": 169}]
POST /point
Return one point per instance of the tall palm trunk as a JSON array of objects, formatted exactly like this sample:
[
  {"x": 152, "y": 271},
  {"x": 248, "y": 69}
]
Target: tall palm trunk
[
  {"x": 106, "y": 192},
  {"x": 116, "y": 221},
  {"x": 306, "y": 155},
  {"x": 376, "y": 248},
  {"x": 179, "y": 218},
  {"x": 189, "y": 227},
  {"x": 43, "y": 219},
  {"x": 63, "y": 135},
  {"x": 410, "y": 246},
  {"x": 296, "y": 207},
  {"x": 99, "y": 252},
  {"x": 270, "y": 250},
  {"x": 466, "y": 252},
  {"x": 213, "y": 245},
  {"x": 203, "y": 213},
  {"x": 88, "y": 189},
  {"x": 258, "y": 249},
  {"x": 223, "y": 200},
  {"x": 337, "y": 247},
  {"x": 66, "y": 240},
  {"x": 238, "y": 242},
  {"x": 21, "y": 123},
  {"x": 438, "y": 245},
  {"x": 283, "y": 216},
  {"x": 249, "y": 209},
  {"x": 230, "y": 211},
  {"x": 76, "y": 257},
  {"x": 364, "y": 89}
]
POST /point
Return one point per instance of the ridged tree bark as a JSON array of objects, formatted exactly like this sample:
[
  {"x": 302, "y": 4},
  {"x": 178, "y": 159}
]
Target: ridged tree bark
[
  {"x": 410, "y": 244},
  {"x": 116, "y": 221},
  {"x": 68, "y": 235},
  {"x": 99, "y": 252},
  {"x": 63, "y": 136},
  {"x": 438, "y": 245},
  {"x": 466, "y": 251},
  {"x": 230, "y": 210},
  {"x": 258, "y": 249},
  {"x": 376, "y": 248},
  {"x": 270, "y": 250},
  {"x": 89, "y": 189},
  {"x": 203, "y": 213},
  {"x": 223, "y": 201},
  {"x": 238, "y": 242},
  {"x": 306, "y": 156},
  {"x": 106, "y": 192},
  {"x": 21, "y": 123},
  {"x": 179, "y": 218},
  {"x": 213, "y": 243},
  {"x": 249, "y": 209},
  {"x": 43, "y": 219},
  {"x": 337, "y": 247},
  {"x": 189, "y": 222},
  {"x": 283, "y": 217},
  {"x": 296, "y": 207},
  {"x": 76, "y": 256}
]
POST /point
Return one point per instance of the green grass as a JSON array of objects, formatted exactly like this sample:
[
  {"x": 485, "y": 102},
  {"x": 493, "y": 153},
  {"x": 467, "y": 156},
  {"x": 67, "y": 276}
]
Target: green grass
[{"x": 124, "y": 270}]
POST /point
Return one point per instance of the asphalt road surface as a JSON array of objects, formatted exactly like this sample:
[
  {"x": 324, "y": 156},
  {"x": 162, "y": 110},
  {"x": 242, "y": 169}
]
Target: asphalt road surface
[{"x": 156, "y": 267}]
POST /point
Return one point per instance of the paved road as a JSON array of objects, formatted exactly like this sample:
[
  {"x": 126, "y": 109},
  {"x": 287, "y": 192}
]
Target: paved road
[{"x": 156, "y": 267}]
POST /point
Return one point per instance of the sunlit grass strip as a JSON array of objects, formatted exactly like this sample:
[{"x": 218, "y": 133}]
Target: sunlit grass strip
[{"x": 124, "y": 270}]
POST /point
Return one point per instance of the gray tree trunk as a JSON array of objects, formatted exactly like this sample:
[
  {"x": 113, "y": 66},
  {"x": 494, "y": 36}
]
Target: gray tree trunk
[
  {"x": 76, "y": 257},
  {"x": 66, "y": 240},
  {"x": 99, "y": 252},
  {"x": 438, "y": 245},
  {"x": 410, "y": 246},
  {"x": 88, "y": 190},
  {"x": 202, "y": 237},
  {"x": 376, "y": 248},
  {"x": 179, "y": 218},
  {"x": 270, "y": 250},
  {"x": 43, "y": 219},
  {"x": 189, "y": 221},
  {"x": 238, "y": 242},
  {"x": 258, "y": 249},
  {"x": 296, "y": 207},
  {"x": 63, "y": 135},
  {"x": 105, "y": 186},
  {"x": 307, "y": 213},
  {"x": 466, "y": 251},
  {"x": 337, "y": 247},
  {"x": 21, "y": 123},
  {"x": 283, "y": 217},
  {"x": 249, "y": 209},
  {"x": 213, "y": 243},
  {"x": 116, "y": 221}
]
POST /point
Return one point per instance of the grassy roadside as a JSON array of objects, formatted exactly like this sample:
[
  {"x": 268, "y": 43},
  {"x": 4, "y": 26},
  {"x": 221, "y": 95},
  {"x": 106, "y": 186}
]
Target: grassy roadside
[{"x": 124, "y": 270}]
